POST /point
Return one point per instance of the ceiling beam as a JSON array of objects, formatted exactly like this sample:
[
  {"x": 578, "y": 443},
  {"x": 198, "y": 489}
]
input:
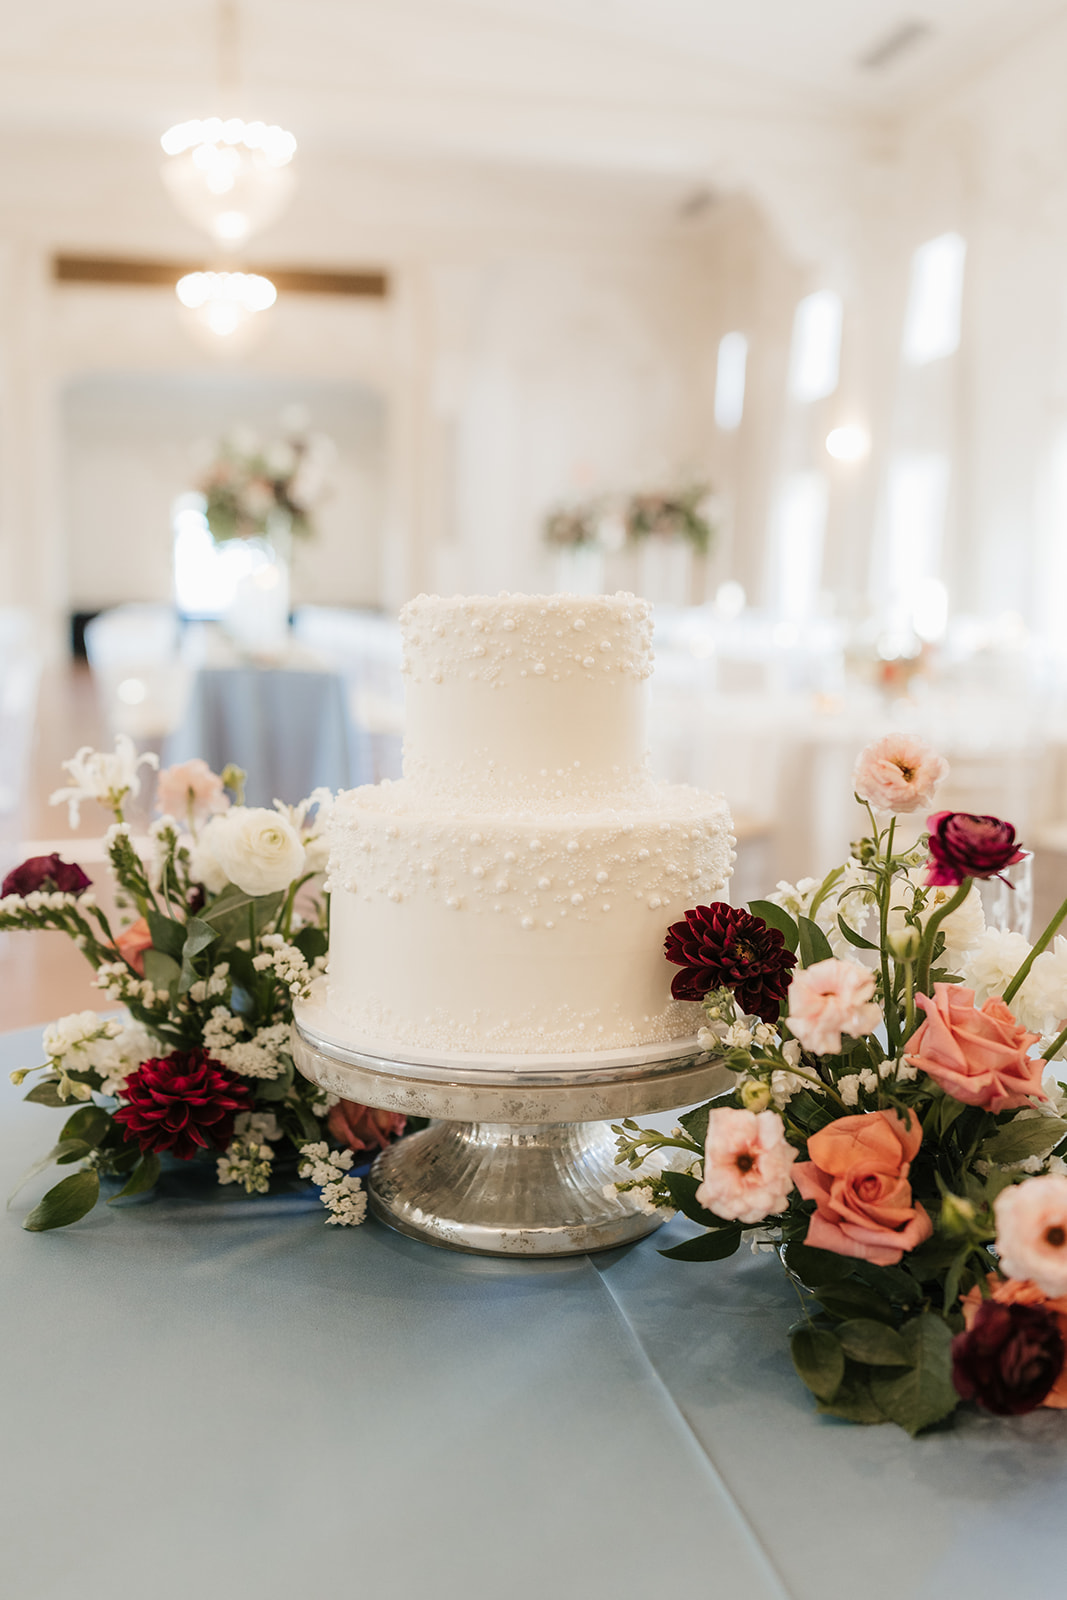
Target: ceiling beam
[{"x": 127, "y": 270}]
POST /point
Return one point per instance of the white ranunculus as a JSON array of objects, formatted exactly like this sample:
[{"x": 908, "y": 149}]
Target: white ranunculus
[
  {"x": 259, "y": 850},
  {"x": 204, "y": 860}
]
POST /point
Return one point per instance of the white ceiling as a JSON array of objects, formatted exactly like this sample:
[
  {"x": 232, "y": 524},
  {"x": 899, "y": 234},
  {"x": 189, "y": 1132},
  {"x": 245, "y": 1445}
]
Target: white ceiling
[{"x": 528, "y": 79}]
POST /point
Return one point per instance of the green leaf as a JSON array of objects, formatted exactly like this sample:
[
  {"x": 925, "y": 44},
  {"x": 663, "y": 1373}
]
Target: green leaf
[
  {"x": 816, "y": 1266},
  {"x": 72, "y": 1148},
  {"x": 872, "y": 1343},
  {"x": 848, "y": 1300},
  {"x": 229, "y": 912},
  {"x": 948, "y": 1110},
  {"x": 775, "y": 917},
  {"x": 90, "y": 1123},
  {"x": 853, "y": 937},
  {"x": 46, "y": 1093},
  {"x": 695, "y": 1122},
  {"x": 1023, "y": 1137},
  {"x": 277, "y": 1088},
  {"x": 932, "y": 1258},
  {"x": 312, "y": 942},
  {"x": 161, "y": 970},
  {"x": 715, "y": 1245},
  {"x": 955, "y": 1272},
  {"x": 814, "y": 945},
  {"x": 854, "y": 1400},
  {"x": 167, "y": 934},
  {"x": 66, "y": 1203},
  {"x": 819, "y": 1360},
  {"x": 144, "y": 1175},
  {"x": 924, "y": 1393},
  {"x": 682, "y": 1188},
  {"x": 199, "y": 936}
]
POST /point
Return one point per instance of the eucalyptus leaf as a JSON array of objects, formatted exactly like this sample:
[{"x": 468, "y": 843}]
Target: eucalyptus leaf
[
  {"x": 922, "y": 1394},
  {"x": 160, "y": 969},
  {"x": 775, "y": 917},
  {"x": 167, "y": 934},
  {"x": 714, "y": 1245},
  {"x": 312, "y": 942},
  {"x": 853, "y": 937},
  {"x": 1023, "y": 1137},
  {"x": 66, "y": 1203},
  {"x": 90, "y": 1123},
  {"x": 66, "y": 1147},
  {"x": 872, "y": 1343},
  {"x": 819, "y": 1360},
  {"x": 144, "y": 1176},
  {"x": 234, "y": 912},
  {"x": 682, "y": 1187},
  {"x": 813, "y": 945},
  {"x": 199, "y": 936},
  {"x": 46, "y": 1093}
]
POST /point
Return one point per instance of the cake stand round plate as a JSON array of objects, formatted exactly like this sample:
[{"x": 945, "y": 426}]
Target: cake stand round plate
[{"x": 516, "y": 1162}]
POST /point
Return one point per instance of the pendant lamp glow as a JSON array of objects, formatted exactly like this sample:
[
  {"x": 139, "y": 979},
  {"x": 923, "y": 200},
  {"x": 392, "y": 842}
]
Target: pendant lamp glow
[
  {"x": 230, "y": 178},
  {"x": 223, "y": 302}
]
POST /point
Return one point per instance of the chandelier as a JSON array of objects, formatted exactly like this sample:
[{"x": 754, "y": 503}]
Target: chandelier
[{"x": 224, "y": 302}]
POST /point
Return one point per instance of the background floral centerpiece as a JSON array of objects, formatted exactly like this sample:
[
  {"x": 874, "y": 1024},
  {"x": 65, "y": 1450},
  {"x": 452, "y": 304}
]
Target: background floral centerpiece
[
  {"x": 893, "y": 1129},
  {"x": 226, "y": 931},
  {"x": 255, "y": 490}
]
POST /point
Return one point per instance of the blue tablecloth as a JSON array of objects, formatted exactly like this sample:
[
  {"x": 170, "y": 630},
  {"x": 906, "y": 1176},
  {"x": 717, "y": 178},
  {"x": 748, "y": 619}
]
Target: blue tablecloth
[
  {"x": 229, "y": 1398},
  {"x": 288, "y": 729}
]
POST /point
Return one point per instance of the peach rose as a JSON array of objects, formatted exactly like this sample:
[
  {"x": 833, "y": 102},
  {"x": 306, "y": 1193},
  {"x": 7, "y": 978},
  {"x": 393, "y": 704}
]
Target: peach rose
[
  {"x": 857, "y": 1175},
  {"x": 1031, "y": 1220},
  {"x": 747, "y": 1165},
  {"x": 830, "y": 998},
  {"x": 1023, "y": 1292},
  {"x": 362, "y": 1127},
  {"x": 132, "y": 943},
  {"x": 979, "y": 1057},
  {"x": 190, "y": 792},
  {"x": 898, "y": 773}
]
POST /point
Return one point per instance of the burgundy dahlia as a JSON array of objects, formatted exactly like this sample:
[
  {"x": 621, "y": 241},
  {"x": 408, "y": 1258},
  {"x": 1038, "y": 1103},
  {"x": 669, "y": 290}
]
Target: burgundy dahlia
[
  {"x": 45, "y": 873},
  {"x": 723, "y": 947},
  {"x": 183, "y": 1103},
  {"x": 966, "y": 846},
  {"x": 1009, "y": 1358}
]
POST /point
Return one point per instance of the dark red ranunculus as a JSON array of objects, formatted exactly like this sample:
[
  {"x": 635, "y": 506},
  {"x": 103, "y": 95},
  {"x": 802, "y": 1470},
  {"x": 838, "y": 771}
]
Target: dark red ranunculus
[
  {"x": 1009, "y": 1358},
  {"x": 183, "y": 1103},
  {"x": 363, "y": 1127},
  {"x": 723, "y": 947},
  {"x": 45, "y": 873},
  {"x": 965, "y": 846}
]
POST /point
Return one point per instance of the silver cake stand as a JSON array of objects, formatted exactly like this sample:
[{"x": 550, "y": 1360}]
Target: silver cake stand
[{"x": 515, "y": 1162}]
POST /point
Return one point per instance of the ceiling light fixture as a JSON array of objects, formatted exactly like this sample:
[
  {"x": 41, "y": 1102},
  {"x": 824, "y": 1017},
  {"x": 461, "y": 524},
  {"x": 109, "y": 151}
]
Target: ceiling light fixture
[
  {"x": 225, "y": 301},
  {"x": 230, "y": 177}
]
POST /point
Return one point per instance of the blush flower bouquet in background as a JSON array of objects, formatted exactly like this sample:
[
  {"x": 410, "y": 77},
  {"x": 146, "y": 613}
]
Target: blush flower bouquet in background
[
  {"x": 894, "y": 1128},
  {"x": 219, "y": 941},
  {"x": 250, "y": 487}
]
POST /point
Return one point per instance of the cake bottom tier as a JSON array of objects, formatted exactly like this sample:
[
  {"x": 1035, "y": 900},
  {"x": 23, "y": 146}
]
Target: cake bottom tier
[{"x": 517, "y": 935}]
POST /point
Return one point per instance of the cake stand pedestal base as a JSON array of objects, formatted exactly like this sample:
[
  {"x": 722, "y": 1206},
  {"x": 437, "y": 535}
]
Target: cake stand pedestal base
[{"x": 516, "y": 1162}]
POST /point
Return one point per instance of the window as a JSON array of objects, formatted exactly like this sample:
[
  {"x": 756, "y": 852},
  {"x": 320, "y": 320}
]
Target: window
[
  {"x": 917, "y": 496},
  {"x": 798, "y": 544},
  {"x": 815, "y": 356},
  {"x": 730, "y": 380},
  {"x": 206, "y": 575},
  {"x": 932, "y": 322}
]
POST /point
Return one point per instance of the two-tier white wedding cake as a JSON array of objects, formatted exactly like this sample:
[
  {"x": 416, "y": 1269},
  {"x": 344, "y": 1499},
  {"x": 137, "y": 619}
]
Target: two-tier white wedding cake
[{"x": 511, "y": 893}]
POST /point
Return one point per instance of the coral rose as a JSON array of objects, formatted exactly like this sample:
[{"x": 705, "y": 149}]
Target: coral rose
[
  {"x": 898, "y": 773},
  {"x": 1022, "y": 1292},
  {"x": 1009, "y": 1357},
  {"x": 963, "y": 845},
  {"x": 979, "y": 1057},
  {"x": 363, "y": 1127},
  {"x": 191, "y": 792},
  {"x": 132, "y": 943},
  {"x": 1031, "y": 1221},
  {"x": 828, "y": 999},
  {"x": 747, "y": 1165},
  {"x": 857, "y": 1175}
]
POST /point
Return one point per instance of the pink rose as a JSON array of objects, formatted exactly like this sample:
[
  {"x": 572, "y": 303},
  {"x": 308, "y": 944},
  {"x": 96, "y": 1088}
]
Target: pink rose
[
  {"x": 828, "y": 999},
  {"x": 1031, "y": 1223},
  {"x": 979, "y": 1057},
  {"x": 898, "y": 773},
  {"x": 132, "y": 943},
  {"x": 857, "y": 1175},
  {"x": 1023, "y": 1292},
  {"x": 190, "y": 792},
  {"x": 747, "y": 1165},
  {"x": 362, "y": 1127}
]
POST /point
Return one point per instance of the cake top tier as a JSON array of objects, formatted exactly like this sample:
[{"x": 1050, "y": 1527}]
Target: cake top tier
[{"x": 516, "y": 636}]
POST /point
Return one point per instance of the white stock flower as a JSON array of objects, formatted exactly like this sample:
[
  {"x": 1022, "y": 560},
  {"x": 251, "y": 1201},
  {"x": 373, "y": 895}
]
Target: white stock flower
[
  {"x": 962, "y": 928},
  {"x": 98, "y": 775},
  {"x": 993, "y": 962},
  {"x": 259, "y": 850},
  {"x": 1044, "y": 994}
]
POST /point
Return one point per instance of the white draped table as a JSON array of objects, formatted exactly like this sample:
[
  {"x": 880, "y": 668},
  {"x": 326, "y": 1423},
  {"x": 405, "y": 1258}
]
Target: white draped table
[{"x": 213, "y": 1396}]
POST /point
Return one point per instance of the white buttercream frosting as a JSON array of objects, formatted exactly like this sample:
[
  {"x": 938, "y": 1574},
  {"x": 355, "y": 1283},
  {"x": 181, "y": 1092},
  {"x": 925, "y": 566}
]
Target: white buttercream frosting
[{"x": 512, "y": 891}]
